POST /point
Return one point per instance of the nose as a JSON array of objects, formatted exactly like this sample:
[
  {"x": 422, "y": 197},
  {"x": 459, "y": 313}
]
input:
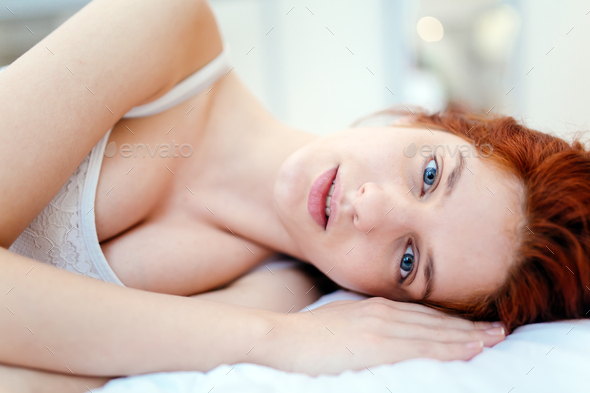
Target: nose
[{"x": 370, "y": 206}]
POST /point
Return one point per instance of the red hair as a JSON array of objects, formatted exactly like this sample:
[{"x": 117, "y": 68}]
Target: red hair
[{"x": 550, "y": 277}]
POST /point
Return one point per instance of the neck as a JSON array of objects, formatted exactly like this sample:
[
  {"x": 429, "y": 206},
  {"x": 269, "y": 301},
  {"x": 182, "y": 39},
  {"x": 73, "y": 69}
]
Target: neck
[{"x": 241, "y": 152}]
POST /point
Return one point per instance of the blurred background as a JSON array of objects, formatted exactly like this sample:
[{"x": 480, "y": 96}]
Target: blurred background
[{"x": 320, "y": 65}]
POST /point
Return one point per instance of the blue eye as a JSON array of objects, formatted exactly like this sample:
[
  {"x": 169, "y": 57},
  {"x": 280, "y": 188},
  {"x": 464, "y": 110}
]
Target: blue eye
[
  {"x": 430, "y": 173},
  {"x": 407, "y": 262}
]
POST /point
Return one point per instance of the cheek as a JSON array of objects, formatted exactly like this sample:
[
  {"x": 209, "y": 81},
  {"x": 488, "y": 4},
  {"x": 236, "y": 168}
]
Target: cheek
[{"x": 362, "y": 269}]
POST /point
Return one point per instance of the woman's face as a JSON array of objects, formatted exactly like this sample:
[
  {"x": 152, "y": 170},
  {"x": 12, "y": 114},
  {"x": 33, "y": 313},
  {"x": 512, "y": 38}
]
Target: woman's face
[{"x": 414, "y": 212}]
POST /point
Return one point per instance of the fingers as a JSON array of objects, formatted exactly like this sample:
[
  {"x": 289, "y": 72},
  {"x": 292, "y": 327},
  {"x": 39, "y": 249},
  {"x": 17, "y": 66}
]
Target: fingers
[
  {"x": 440, "y": 318},
  {"x": 337, "y": 303},
  {"x": 409, "y": 306},
  {"x": 442, "y": 321},
  {"x": 402, "y": 323},
  {"x": 489, "y": 337},
  {"x": 445, "y": 351}
]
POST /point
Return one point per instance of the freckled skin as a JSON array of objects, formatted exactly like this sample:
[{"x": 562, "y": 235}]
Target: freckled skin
[{"x": 469, "y": 233}]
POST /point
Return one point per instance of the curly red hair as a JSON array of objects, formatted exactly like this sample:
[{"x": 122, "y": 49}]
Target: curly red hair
[{"x": 550, "y": 278}]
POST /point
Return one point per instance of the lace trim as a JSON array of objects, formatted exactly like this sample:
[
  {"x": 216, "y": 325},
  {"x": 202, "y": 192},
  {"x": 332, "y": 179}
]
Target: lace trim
[{"x": 54, "y": 237}]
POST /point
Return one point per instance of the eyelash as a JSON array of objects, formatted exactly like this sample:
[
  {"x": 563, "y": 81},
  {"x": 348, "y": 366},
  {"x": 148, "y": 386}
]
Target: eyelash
[
  {"x": 408, "y": 245},
  {"x": 433, "y": 187},
  {"x": 438, "y": 175}
]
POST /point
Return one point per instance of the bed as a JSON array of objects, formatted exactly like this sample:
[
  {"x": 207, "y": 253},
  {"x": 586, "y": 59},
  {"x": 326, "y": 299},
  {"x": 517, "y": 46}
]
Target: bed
[{"x": 543, "y": 357}]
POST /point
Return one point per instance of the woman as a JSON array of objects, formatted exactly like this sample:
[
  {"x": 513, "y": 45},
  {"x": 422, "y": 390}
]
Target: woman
[{"x": 402, "y": 226}]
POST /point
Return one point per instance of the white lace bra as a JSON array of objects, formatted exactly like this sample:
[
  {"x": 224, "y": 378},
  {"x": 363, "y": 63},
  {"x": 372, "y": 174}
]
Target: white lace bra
[{"x": 64, "y": 233}]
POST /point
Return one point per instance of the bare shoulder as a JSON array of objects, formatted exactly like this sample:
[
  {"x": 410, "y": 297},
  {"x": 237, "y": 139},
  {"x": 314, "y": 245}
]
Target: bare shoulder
[
  {"x": 200, "y": 43},
  {"x": 65, "y": 93}
]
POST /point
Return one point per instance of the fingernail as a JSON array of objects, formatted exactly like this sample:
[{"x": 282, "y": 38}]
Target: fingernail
[
  {"x": 474, "y": 344},
  {"x": 497, "y": 324},
  {"x": 497, "y": 331}
]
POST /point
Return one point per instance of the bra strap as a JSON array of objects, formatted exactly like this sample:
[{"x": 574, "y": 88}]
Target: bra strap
[{"x": 188, "y": 87}]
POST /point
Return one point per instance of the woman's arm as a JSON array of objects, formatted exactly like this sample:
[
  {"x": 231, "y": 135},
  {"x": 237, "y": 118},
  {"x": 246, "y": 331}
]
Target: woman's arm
[
  {"x": 281, "y": 289},
  {"x": 278, "y": 288},
  {"x": 56, "y": 320},
  {"x": 59, "y": 98},
  {"x": 24, "y": 380},
  {"x": 59, "y": 321}
]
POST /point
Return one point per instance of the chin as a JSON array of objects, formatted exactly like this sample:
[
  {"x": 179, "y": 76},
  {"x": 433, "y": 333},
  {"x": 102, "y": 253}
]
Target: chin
[
  {"x": 296, "y": 175},
  {"x": 287, "y": 193},
  {"x": 290, "y": 191}
]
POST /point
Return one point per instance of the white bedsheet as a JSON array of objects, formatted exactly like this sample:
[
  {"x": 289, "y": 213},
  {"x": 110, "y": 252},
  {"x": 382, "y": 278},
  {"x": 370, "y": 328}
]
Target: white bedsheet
[{"x": 544, "y": 357}]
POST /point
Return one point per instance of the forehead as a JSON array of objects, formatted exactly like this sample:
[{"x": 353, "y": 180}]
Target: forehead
[{"x": 472, "y": 235}]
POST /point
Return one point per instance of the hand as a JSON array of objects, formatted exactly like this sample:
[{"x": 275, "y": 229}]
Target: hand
[{"x": 357, "y": 334}]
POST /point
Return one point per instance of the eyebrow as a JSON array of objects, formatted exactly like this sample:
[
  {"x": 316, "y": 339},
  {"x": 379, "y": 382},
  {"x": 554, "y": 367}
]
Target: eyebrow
[
  {"x": 428, "y": 276},
  {"x": 455, "y": 175},
  {"x": 452, "y": 180}
]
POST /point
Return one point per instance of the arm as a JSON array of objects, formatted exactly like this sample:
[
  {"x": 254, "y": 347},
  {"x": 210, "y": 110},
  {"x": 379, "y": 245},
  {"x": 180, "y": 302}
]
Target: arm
[
  {"x": 98, "y": 328},
  {"x": 20, "y": 380},
  {"x": 282, "y": 290},
  {"x": 58, "y": 99},
  {"x": 58, "y": 320},
  {"x": 261, "y": 288}
]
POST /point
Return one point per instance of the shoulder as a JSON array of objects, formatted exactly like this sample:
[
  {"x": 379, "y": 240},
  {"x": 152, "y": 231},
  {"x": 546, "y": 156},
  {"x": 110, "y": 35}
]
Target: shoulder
[{"x": 199, "y": 43}]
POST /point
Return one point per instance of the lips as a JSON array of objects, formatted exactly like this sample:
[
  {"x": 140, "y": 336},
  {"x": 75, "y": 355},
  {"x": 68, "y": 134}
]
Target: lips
[
  {"x": 316, "y": 202},
  {"x": 334, "y": 200}
]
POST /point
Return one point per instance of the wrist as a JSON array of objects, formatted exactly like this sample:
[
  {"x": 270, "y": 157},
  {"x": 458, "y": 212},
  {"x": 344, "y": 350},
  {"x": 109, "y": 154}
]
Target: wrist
[
  {"x": 280, "y": 344},
  {"x": 254, "y": 339},
  {"x": 226, "y": 334}
]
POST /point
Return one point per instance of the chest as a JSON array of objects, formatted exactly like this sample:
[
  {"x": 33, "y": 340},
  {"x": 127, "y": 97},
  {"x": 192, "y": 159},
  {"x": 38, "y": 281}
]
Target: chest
[
  {"x": 149, "y": 238},
  {"x": 176, "y": 255},
  {"x": 140, "y": 164}
]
